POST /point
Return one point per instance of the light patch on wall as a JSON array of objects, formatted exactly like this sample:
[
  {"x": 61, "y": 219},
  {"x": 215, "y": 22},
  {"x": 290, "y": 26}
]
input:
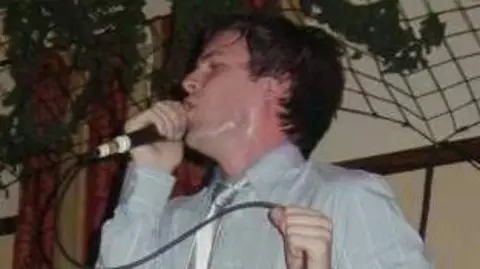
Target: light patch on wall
[{"x": 154, "y": 8}]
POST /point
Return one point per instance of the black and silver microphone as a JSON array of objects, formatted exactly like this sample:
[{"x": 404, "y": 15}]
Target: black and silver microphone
[{"x": 124, "y": 143}]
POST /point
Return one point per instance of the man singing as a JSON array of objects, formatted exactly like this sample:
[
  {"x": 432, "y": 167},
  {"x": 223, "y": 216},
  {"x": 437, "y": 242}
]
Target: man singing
[{"x": 261, "y": 96}]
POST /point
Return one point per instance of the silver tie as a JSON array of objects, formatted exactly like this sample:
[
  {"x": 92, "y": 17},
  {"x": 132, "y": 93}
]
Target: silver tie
[{"x": 222, "y": 195}]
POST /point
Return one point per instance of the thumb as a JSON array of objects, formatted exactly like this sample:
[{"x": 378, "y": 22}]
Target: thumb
[{"x": 277, "y": 217}]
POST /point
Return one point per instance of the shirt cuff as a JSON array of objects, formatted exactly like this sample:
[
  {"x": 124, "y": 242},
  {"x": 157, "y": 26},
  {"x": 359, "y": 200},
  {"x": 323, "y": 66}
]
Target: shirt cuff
[{"x": 146, "y": 190}]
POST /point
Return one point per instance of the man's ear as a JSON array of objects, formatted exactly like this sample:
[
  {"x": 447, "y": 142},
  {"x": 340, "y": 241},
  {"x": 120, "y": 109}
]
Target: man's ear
[{"x": 277, "y": 88}]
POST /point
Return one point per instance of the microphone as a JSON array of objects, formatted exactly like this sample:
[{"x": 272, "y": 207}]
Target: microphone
[{"x": 124, "y": 143}]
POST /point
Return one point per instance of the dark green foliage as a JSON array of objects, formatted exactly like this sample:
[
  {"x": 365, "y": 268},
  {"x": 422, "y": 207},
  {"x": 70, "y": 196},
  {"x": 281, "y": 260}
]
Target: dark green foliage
[{"x": 379, "y": 26}]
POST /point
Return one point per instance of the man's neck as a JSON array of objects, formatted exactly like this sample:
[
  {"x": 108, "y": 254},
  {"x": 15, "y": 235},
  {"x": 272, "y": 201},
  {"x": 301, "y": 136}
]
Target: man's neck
[{"x": 237, "y": 160}]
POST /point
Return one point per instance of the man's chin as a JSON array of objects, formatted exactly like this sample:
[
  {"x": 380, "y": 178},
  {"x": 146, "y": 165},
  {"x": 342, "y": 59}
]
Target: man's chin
[
  {"x": 199, "y": 142},
  {"x": 193, "y": 140}
]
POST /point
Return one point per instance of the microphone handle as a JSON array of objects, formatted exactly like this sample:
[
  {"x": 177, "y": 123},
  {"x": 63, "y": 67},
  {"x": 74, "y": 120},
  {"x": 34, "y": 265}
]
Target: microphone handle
[
  {"x": 143, "y": 136},
  {"x": 124, "y": 143}
]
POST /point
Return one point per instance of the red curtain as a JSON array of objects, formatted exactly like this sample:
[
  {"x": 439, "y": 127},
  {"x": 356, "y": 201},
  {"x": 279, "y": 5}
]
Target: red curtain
[
  {"x": 50, "y": 99},
  {"x": 256, "y": 3}
]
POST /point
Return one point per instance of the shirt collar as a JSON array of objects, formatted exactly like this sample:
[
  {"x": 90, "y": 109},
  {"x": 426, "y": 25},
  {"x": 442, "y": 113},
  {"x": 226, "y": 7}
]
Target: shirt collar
[{"x": 267, "y": 171}]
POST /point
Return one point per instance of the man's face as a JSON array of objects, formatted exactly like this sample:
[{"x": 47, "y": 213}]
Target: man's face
[{"x": 224, "y": 99}]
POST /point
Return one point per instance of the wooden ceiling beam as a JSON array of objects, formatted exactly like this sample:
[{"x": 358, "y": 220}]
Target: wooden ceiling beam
[{"x": 418, "y": 158}]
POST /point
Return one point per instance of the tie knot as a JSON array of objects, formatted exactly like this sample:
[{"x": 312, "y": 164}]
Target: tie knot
[
  {"x": 219, "y": 188},
  {"x": 223, "y": 193}
]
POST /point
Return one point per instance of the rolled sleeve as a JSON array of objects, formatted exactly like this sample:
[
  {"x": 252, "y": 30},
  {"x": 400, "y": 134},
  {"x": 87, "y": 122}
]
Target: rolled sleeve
[
  {"x": 146, "y": 190},
  {"x": 134, "y": 230}
]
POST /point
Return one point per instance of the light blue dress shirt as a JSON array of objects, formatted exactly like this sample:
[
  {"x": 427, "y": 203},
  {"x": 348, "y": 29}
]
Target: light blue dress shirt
[{"x": 370, "y": 231}]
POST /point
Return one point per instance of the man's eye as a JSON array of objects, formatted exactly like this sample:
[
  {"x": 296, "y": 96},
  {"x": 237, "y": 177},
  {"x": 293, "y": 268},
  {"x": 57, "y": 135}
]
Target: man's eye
[{"x": 216, "y": 66}]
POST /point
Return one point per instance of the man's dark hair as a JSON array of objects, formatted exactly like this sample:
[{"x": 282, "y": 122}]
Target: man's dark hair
[{"x": 309, "y": 57}]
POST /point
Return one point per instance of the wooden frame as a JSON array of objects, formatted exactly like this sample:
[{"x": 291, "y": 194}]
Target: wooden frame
[{"x": 418, "y": 158}]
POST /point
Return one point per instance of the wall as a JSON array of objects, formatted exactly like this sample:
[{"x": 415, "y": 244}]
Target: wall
[
  {"x": 8, "y": 207},
  {"x": 453, "y": 237}
]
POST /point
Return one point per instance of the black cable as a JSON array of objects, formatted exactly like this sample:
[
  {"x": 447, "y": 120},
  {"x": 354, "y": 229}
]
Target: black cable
[
  {"x": 38, "y": 236},
  {"x": 70, "y": 178},
  {"x": 427, "y": 196}
]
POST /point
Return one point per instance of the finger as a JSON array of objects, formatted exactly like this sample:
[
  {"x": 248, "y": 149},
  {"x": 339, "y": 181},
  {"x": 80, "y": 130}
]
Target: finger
[
  {"x": 316, "y": 232},
  {"x": 177, "y": 113},
  {"x": 181, "y": 118},
  {"x": 173, "y": 119},
  {"x": 139, "y": 121},
  {"x": 308, "y": 220},
  {"x": 181, "y": 121},
  {"x": 294, "y": 210},
  {"x": 306, "y": 215},
  {"x": 277, "y": 217},
  {"x": 166, "y": 119}
]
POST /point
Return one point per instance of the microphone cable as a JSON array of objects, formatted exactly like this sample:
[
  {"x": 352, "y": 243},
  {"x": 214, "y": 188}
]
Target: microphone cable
[{"x": 68, "y": 180}]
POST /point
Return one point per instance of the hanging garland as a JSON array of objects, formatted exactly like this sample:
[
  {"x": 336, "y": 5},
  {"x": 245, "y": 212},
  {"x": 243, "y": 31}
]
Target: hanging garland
[
  {"x": 98, "y": 38},
  {"x": 101, "y": 37}
]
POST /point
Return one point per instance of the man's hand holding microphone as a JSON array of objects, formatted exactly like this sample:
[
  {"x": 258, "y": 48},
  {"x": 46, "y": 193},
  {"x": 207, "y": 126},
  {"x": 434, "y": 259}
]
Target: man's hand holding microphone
[{"x": 170, "y": 120}]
